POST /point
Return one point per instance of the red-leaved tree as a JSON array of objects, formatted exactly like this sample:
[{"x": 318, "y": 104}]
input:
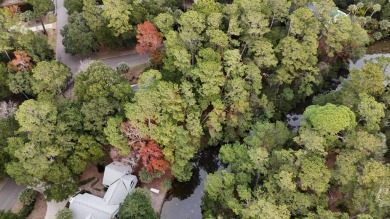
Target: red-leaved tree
[
  {"x": 22, "y": 61},
  {"x": 148, "y": 38},
  {"x": 151, "y": 156}
]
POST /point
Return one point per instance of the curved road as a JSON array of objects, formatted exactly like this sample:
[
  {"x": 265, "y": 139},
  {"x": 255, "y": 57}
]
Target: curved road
[
  {"x": 132, "y": 58},
  {"x": 9, "y": 194}
]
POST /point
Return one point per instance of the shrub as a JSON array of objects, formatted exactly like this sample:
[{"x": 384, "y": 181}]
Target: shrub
[
  {"x": 144, "y": 176},
  {"x": 26, "y": 211},
  {"x": 137, "y": 205},
  {"x": 27, "y": 196},
  {"x": 64, "y": 213},
  {"x": 166, "y": 184},
  {"x": 7, "y": 215},
  {"x": 123, "y": 68}
]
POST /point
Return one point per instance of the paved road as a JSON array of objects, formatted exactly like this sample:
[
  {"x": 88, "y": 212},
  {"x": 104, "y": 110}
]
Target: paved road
[
  {"x": 9, "y": 194},
  {"x": 132, "y": 58},
  {"x": 62, "y": 19}
]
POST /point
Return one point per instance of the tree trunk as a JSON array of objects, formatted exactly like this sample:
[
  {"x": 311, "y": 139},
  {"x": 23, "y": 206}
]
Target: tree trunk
[
  {"x": 5, "y": 51},
  {"x": 273, "y": 19},
  {"x": 43, "y": 26}
]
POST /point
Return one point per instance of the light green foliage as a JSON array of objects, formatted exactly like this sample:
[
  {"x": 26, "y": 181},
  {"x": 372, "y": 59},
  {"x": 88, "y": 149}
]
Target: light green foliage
[
  {"x": 160, "y": 118},
  {"x": 114, "y": 135},
  {"x": 280, "y": 10},
  {"x": 370, "y": 111},
  {"x": 368, "y": 80},
  {"x": 207, "y": 7},
  {"x": 93, "y": 15},
  {"x": 262, "y": 208},
  {"x": 117, "y": 13},
  {"x": 64, "y": 213},
  {"x": 77, "y": 31},
  {"x": 314, "y": 174},
  {"x": 164, "y": 22},
  {"x": 137, "y": 205},
  {"x": 53, "y": 152},
  {"x": 345, "y": 35},
  {"x": 329, "y": 118},
  {"x": 50, "y": 77}
]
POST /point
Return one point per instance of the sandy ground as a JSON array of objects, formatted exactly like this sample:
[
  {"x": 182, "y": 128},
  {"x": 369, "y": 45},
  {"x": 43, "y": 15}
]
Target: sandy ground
[
  {"x": 97, "y": 189},
  {"x": 40, "y": 208},
  {"x": 158, "y": 199}
]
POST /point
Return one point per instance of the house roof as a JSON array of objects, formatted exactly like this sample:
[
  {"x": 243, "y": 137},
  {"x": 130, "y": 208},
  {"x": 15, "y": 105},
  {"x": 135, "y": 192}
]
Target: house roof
[
  {"x": 114, "y": 171},
  {"x": 85, "y": 206},
  {"x": 118, "y": 191}
]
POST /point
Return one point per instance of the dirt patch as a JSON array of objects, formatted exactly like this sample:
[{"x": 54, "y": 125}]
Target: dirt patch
[
  {"x": 40, "y": 207},
  {"x": 52, "y": 38},
  {"x": 95, "y": 185},
  {"x": 133, "y": 74},
  {"x": 17, "y": 207},
  {"x": 333, "y": 196},
  {"x": 331, "y": 160},
  {"x": 158, "y": 199}
]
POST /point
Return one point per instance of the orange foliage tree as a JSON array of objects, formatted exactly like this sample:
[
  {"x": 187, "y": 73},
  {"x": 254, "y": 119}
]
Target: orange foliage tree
[
  {"x": 148, "y": 38},
  {"x": 21, "y": 62},
  {"x": 151, "y": 156},
  {"x": 144, "y": 148}
]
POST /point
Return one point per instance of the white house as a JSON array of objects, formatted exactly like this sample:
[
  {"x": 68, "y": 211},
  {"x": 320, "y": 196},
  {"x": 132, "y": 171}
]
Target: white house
[
  {"x": 120, "y": 183},
  {"x": 114, "y": 171}
]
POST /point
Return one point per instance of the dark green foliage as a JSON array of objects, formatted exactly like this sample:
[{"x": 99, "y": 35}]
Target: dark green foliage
[
  {"x": 64, "y": 213},
  {"x": 4, "y": 88},
  {"x": 73, "y": 6},
  {"x": 26, "y": 211},
  {"x": 123, "y": 68},
  {"x": 27, "y": 196},
  {"x": 77, "y": 31},
  {"x": 102, "y": 91},
  {"x": 7, "y": 128},
  {"x": 8, "y": 215},
  {"x": 36, "y": 45},
  {"x": 137, "y": 205},
  {"x": 86, "y": 181}
]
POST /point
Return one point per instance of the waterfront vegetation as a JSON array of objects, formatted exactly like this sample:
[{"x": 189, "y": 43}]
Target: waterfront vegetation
[{"x": 221, "y": 74}]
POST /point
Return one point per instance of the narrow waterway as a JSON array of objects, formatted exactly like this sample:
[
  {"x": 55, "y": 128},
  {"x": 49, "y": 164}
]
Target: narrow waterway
[{"x": 185, "y": 199}]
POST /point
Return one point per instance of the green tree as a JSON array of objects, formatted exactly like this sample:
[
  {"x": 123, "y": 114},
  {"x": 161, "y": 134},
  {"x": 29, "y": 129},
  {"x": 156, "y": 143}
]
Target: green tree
[
  {"x": 73, "y": 6},
  {"x": 137, "y": 205},
  {"x": 64, "y": 213},
  {"x": 117, "y": 12},
  {"x": 77, "y": 31},
  {"x": 40, "y": 8},
  {"x": 50, "y": 77},
  {"x": 4, "y": 81},
  {"x": 101, "y": 92},
  {"x": 7, "y": 126},
  {"x": 36, "y": 46},
  {"x": 50, "y": 152}
]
